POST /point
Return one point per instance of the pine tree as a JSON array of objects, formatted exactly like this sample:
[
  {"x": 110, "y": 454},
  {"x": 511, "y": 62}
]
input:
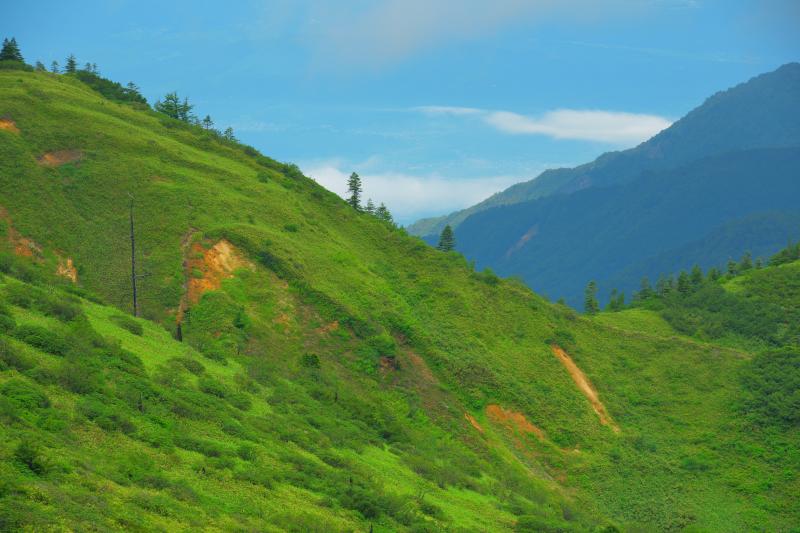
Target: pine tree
[
  {"x": 40, "y": 67},
  {"x": 684, "y": 283},
  {"x": 185, "y": 111},
  {"x": 370, "y": 207},
  {"x": 697, "y": 276},
  {"x": 645, "y": 290},
  {"x": 208, "y": 123},
  {"x": 354, "y": 190},
  {"x": 732, "y": 267},
  {"x": 71, "y": 66},
  {"x": 382, "y": 212},
  {"x": 54, "y": 68},
  {"x": 228, "y": 134},
  {"x": 714, "y": 274},
  {"x": 612, "y": 301},
  {"x": 746, "y": 263},
  {"x": 171, "y": 106},
  {"x": 590, "y": 304},
  {"x": 447, "y": 240},
  {"x": 10, "y": 51},
  {"x": 663, "y": 285}
]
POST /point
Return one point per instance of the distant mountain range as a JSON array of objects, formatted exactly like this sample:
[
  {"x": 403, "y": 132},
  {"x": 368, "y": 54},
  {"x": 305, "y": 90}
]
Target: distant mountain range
[{"x": 720, "y": 181}]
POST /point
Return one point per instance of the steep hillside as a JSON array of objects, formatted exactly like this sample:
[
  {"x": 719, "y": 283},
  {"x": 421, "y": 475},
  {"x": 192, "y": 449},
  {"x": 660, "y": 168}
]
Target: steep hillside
[
  {"x": 315, "y": 368},
  {"x": 759, "y": 113}
]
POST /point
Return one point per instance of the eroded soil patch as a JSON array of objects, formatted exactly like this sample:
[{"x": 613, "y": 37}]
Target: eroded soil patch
[
  {"x": 513, "y": 420},
  {"x": 8, "y": 125},
  {"x": 473, "y": 422},
  {"x": 60, "y": 157},
  {"x": 66, "y": 269},
  {"x": 207, "y": 269},
  {"x": 22, "y": 246},
  {"x": 585, "y": 386}
]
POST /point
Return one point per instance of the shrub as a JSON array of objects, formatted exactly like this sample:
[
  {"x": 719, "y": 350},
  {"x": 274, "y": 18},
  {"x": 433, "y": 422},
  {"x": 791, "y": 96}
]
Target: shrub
[
  {"x": 28, "y": 454},
  {"x": 60, "y": 309},
  {"x": 7, "y": 323},
  {"x": 291, "y": 228},
  {"x": 537, "y": 524},
  {"x": 15, "y": 65},
  {"x": 24, "y": 395},
  {"x": 59, "y": 306},
  {"x": 214, "y": 387},
  {"x": 241, "y": 401},
  {"x": 42, "y": 338},
  {"x": 109, "y": 417},
  {"x": 771, "y": 383},
  {"x": 128, "y": 323},
  {"x": 11, "y": 358},
  {"x": 192, "y": 365},
  {"x": 80, "y": 378},
  {"x": 203, "y": 446},
  {"x": 310, "y": 360}
]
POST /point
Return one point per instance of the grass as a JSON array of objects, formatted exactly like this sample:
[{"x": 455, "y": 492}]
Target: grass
[{"x": 326, "y": 387}]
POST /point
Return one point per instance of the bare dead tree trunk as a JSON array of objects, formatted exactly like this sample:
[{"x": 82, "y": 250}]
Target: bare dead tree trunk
[{"x": 133, "y": 264}]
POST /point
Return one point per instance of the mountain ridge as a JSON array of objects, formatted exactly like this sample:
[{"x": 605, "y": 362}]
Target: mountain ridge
[{"x": 776, "y": 89}]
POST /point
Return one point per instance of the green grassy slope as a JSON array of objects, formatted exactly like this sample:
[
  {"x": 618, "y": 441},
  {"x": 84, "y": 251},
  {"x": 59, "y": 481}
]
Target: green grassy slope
[{"x": 348, "y": 374}]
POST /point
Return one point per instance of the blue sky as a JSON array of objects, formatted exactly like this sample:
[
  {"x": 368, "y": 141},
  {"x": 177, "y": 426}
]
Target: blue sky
[{"x": 436, "y": 103}]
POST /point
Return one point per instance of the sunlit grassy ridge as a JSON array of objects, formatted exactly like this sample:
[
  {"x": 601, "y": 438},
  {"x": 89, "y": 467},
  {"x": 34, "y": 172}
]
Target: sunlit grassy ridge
[{"x": 325, "y": 384}]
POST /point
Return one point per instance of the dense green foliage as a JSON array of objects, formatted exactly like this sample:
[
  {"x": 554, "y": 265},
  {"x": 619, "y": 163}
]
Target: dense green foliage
[
  {"x": 341, "y": 376},
  {"x": 111, "y": 89},
  {"x": 749, "y": 305}
]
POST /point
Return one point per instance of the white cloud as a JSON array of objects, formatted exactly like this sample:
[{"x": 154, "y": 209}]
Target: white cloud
[
  {"x": 613, "y": 127},
  {"x": 410, "y": 197},
  {"x": 588, "y": 125}
]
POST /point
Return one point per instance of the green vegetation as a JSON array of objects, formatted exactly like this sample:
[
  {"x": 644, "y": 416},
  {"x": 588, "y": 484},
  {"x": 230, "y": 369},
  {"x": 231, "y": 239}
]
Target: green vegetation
[
  {"x": 751, "y": 307},
  {"x": 338, "y": 375},
  {"x": 447, "y": 240}
]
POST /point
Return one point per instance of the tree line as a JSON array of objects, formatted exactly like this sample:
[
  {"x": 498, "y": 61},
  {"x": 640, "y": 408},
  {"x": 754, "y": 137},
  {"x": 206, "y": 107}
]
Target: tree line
[
  {"x": 447, "y": 240},
  {"x": 684, "y": 283},
  {"x": 171, "y": 105}
]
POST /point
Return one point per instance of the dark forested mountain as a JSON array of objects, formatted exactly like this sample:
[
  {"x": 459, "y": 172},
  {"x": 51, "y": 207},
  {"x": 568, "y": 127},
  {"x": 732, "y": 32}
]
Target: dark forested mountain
[
  {"x": 717, "y": 183},
  {"x": 704, "y": 212},
  {"x": 762, "y": 112}
]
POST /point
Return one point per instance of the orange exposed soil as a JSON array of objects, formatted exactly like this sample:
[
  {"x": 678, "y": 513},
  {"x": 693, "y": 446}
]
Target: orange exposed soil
[
  {"x": 215, "y": 264},
  {"x": 421, "y": 368},
  {"x": 512, "y": 420},
  {"x": 333, "y": 326},
  {"x": 22, "y": 246},
  {"x": 60, "y": 157},
  {"x": 8, "y": 125},
  {"x": 206, "y": 269},
  {"x": 67, "y": 269},
  {"x": 473, "y": 422},
  {"x": 585, "y": 387}
]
